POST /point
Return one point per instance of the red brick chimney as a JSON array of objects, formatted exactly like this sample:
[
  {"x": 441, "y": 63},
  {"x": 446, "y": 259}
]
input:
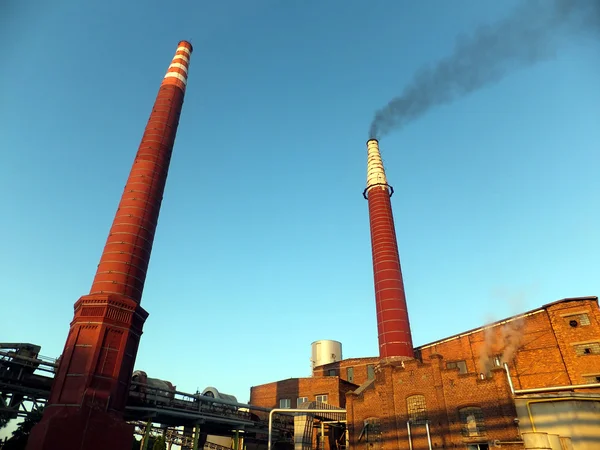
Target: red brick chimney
[
  {"x": 393, "y": 327},
  {"x": 90, "y": 389}
]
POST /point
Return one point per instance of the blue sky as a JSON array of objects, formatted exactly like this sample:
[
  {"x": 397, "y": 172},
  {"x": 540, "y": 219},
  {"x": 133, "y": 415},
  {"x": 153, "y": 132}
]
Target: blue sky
[{"x": 263, "y": 242}]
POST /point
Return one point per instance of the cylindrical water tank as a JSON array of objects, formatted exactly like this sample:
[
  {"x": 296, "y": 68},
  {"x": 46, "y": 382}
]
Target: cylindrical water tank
[
  {"x": 325, "y": 352},
  {"x": 536, "y": 441}
]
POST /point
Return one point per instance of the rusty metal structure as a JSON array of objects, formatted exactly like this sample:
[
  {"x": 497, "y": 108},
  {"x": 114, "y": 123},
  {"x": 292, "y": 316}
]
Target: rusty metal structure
[
  {"x": 393, "y": 327},
  {"x": 91, "y": 386}
]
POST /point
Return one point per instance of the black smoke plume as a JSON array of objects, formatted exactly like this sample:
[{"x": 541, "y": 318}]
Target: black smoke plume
[{"x": 531, "y": 33}]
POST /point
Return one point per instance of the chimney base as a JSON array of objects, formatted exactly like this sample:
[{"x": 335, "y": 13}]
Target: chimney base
[{"x": 76, "y": 428}]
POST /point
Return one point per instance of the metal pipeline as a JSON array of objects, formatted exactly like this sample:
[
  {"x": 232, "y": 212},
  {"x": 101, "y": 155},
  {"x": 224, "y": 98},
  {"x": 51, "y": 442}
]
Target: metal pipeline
[
  {"x": 546, "y": 389},
  {"x": 409, "y": 436},
  {"x": 322, "y": 436},
  {"x": 512, "y": 388},
  {"x": 428, "y": 434}
]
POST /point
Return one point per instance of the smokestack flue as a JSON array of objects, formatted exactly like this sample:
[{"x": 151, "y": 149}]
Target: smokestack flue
[
  {"x": 393, "y": 327},
  {"x": 124, "y": 262},
  {"x": 91, "y": 386},
  {"x": 528, "y": 35}
]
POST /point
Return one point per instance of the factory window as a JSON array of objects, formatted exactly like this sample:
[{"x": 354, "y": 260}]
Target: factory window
[
  {"x": 371, "y": 432},
  {"x": 370, "y": 371},
  {"x": 594, "y": 378},
  {"x": 285, "y": 403},
  {"x": 460, "y": 365},
  {"x": 591, "y": 348},
  {"x": 350, "y": 374},
  {"x": 331, "y": 373},
  {"x": 300, "y": 401},
  {"x": 575, "y": 320},
  {"x": 417, "y": 409},
  {"x": 321, "y": 398},
  {"x": 472, "y": 421}
]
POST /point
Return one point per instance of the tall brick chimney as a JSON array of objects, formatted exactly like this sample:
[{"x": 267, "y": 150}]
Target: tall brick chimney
[
  {"x": 393, "y": 327},
  {"x": 90, "y": 389}
]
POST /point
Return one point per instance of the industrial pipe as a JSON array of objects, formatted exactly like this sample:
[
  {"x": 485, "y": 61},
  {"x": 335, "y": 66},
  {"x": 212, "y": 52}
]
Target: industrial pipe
[
  {"x": 510, "y": 383},
  {"x": 205, "y": 399},
  {"x": 298, "y": 410},
  {"x": 322, "y": 436},
  {"x": 409, "y": 435},
  {"x": 546, "y": 389},
  {"x": 428, "y": 434}
]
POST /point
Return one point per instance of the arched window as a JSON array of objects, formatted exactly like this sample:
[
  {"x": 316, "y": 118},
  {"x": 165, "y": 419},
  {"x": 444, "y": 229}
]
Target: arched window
[
  {"x": 472, "y": 422},
  {"x": 417, "y": 409}
]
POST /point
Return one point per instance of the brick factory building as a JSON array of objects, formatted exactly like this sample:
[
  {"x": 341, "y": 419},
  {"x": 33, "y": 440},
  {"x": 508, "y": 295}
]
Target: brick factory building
[
  {"x": 458, "y": 388},
  {"x": 531, "y": 381}
]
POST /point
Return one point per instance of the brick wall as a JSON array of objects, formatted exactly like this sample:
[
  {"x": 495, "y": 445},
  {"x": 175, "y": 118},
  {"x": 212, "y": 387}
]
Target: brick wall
[
  {"x": 443, "y": 393},
  {"x": 580, "y": 367},
  {"x": 359, "y": 369},
  {"x": 269, "y": 395},
  {"x": 538, "y": 347}
]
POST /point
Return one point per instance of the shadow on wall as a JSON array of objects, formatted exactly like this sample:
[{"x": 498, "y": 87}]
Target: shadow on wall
[{"x": 481, "y": 423}]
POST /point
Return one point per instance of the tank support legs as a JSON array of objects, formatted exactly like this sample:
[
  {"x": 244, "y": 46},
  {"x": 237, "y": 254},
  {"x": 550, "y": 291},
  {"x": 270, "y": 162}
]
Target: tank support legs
[
  {"x": 196, "y": 436},
  {"x": 236, "y": 440},
  {"x": 146, "y": 438}
]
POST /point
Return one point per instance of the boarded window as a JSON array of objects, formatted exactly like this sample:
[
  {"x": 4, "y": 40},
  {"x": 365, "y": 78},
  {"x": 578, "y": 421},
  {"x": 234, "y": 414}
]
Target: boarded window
[
  {"x": 460, "y": 365},
  {"x": 472, "y": 421},
  {"x": 417, "y": 409},
  {"x": 591, "y": 348},
  {"x": 592, "y": 378},
  {"x": 370, "y": 371},
  {"x": 576, "y": 320},
  {"x": 350, "y": 374}
]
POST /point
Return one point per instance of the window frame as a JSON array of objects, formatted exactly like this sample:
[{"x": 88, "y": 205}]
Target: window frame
[
  {"x": 416, "y": 408},
  {"x": 370, "y": 371},
  {"x": 480, "y": 428},
  {"x": 289, "y": 402},
  {"x": 457, "y": 366},
  {"x": 298, "y": 402},
  {"x": 582, "y": 319},
  {"x": 321, "y": 401},
  {"x": 593, "y": 346},
  {"x": 350, "y": 374}
]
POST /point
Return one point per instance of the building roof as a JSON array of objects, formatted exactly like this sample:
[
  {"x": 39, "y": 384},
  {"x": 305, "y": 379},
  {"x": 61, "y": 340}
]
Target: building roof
[{"x": 507, "y": 320}]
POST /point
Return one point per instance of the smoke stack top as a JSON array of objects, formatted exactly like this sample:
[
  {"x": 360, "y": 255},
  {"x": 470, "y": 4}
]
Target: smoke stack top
[
  {"x": 375, "y": 170},
  {"x": 393, "y": 328},
  {"x": 177, "y": 72}
]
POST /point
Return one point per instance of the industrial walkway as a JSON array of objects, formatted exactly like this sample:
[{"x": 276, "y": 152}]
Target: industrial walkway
[{"x": 24, "y": 391}]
